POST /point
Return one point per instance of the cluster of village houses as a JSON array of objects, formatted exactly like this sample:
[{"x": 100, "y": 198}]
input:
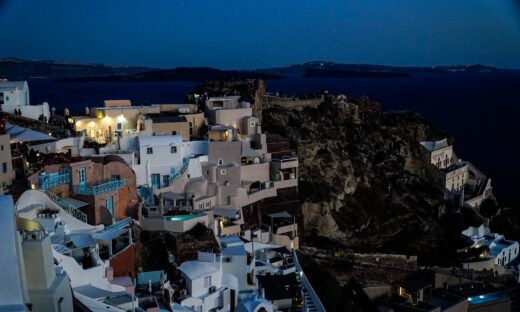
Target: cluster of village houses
[{"x": 167, "y": 168}]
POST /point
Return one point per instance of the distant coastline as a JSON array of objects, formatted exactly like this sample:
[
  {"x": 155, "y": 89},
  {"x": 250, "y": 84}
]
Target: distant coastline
[
  {"x": 334, "y": 73},
  {"x": 19, "y": 69}
]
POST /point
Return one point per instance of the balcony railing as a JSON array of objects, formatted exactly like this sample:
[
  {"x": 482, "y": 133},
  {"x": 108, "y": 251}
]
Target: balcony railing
[
  {"x": 285, "y": 159},
  {"x": 73, "y": 211},
  {"x": 98, "y": 189},
  {"x": 50, "y": 181},
  {"x": 119, "y": 224}
]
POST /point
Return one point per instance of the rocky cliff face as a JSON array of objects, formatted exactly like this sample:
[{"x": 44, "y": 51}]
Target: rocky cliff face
[{"x": 362, "y": 184}]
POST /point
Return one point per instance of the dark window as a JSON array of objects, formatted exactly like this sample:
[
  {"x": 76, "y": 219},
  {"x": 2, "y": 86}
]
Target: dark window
[
  {"x": 1, "y": 147},
  {"x": 4, "y": 167},
  {"x": 173, "y": 149},
  {"x": 174, "y": 132},
  {"x": 149, "y": 150}
]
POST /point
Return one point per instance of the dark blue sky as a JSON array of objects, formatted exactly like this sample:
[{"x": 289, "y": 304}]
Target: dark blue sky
[{"x": 252, "y": 34}]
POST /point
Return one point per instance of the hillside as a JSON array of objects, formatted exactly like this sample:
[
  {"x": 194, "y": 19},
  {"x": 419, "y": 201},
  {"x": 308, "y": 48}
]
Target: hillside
[
  {"x": 16, "y": 69},
  {"x": 331, "y": 69}
]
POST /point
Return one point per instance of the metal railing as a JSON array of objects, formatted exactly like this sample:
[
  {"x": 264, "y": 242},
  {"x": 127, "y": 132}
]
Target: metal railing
[
  {"x": 73, "y": 211},
  {"x": 51, "y": 181},
  {"x": 98, "y": 189}
]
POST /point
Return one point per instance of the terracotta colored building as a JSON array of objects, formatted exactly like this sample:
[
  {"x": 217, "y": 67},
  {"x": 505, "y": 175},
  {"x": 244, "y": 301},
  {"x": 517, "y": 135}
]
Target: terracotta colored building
[{"x": 103, "y": 188}]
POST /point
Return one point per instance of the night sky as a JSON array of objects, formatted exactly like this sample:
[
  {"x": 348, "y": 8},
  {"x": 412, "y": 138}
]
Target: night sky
[{"x": 254, "y": 34}]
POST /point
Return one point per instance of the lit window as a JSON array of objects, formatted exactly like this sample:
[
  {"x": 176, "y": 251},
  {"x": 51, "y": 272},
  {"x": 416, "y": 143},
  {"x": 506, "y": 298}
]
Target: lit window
[
  {"x": 149, "y": 150},
  {"x": 173, "y": 149},
  {"x": 207, "y": 281}
]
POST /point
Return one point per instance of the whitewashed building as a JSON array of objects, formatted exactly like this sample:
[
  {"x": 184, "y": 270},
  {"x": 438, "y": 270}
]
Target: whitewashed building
[
  {"x": 14, "y": 95},
  {"x": 500, "y": 250},
  {"x": 207, "y": 287}
]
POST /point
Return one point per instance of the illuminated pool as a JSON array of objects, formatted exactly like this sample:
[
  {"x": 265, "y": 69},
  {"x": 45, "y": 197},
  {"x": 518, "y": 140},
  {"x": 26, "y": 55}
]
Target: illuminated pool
[
  {"x": 184, "y": 217},
  {"x": 487, "y": 298}
]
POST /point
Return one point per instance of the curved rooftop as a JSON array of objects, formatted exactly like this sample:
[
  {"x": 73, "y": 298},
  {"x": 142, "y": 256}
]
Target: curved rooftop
[{"x": 196, "y": 269}]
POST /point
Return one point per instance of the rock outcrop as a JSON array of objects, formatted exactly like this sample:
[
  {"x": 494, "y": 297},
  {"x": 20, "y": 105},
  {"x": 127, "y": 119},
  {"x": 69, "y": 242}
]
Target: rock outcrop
[{"x": 361, "y": 183}]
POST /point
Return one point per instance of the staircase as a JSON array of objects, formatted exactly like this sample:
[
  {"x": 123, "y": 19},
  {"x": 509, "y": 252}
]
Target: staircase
[
  {"x": 73, "y": 211},
  {"x": 311, "y": 301},
  {"x": 184, "y": 167}
]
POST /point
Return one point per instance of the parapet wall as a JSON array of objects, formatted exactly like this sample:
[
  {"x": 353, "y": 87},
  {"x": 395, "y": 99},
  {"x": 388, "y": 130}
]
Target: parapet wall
[
  {"x": 389, "y": 260},
  {"x": 291, "y": 103}
]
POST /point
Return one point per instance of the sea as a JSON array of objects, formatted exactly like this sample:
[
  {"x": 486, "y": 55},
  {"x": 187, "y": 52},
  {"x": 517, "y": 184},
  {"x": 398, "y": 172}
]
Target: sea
[{"x": 481, "y": 110}]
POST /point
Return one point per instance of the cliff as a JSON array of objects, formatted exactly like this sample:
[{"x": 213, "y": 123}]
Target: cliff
[{"x": 362, "y": 184}]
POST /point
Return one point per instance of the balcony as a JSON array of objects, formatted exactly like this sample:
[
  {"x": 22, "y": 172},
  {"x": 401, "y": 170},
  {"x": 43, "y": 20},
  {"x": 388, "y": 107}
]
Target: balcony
[
  {"x": 98, "y": 189},
  {"x": 285, "y": 162},
  {"x": 50, "y": 181}
]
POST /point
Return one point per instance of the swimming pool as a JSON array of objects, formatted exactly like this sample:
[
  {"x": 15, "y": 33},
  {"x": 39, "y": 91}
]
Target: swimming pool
[
  {"x": 183, "y": 217},
  {"x": 487, "y": 298}
]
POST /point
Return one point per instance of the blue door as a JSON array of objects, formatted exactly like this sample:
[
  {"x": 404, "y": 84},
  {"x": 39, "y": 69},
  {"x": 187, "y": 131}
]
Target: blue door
[
  {"x": 110, "y": 205},
  {"x": 82, "y": 176},
  {"x": 156, "y": 180}
]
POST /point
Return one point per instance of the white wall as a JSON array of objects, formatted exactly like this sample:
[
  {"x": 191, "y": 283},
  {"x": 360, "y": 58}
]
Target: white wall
[
  {"x": 503, "y": 258},
  {"x": 34, "y": 111},
  {"x": 439, "y": 156},
  {"x": 196, "y": 287},
  {"x": 194, "y": 148},
  {"x": 15, "y": 97}
]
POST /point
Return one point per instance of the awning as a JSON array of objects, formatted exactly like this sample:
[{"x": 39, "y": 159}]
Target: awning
[
  {"x": 153, "y": 276},
  {"x": 225, "y": 212},
  {"x": 250, "y": 153},
  {"x": 21, "y": 134},
  {"x": 109, "y": 235},
  {"x": 82, "y": 240},
  {"x": 281, "y": 214},
  {"x": 95, "y": 292},
  {"x": 61, "y": 249},
  {"x": 74, "y": 202},
  {"x": 173, "y": 196}
]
